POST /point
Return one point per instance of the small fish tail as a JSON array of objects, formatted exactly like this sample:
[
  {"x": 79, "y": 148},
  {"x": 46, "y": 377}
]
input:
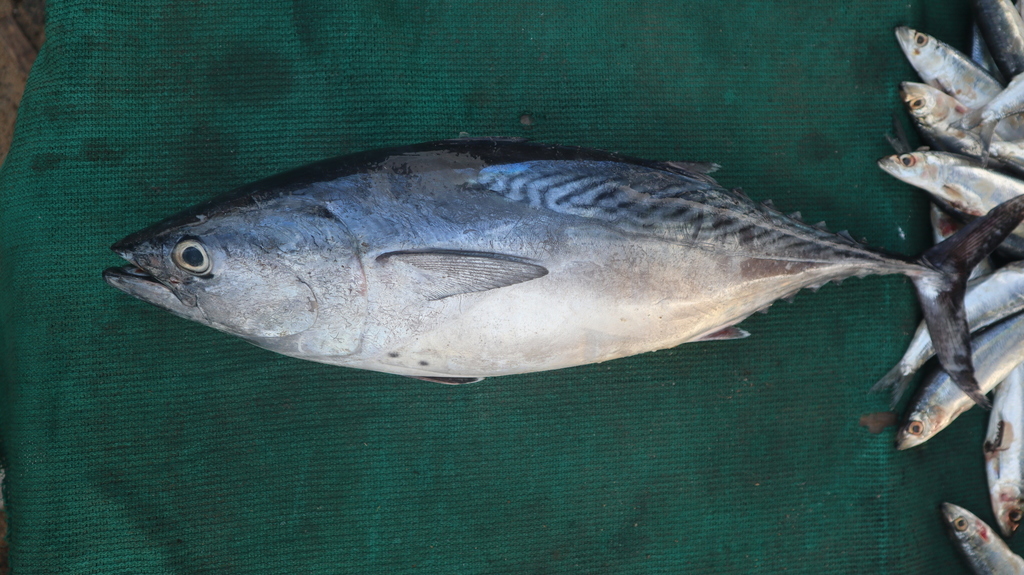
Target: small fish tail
[
  {"x": 897, "y": 380},
  {"x": 941, "y": 293}
]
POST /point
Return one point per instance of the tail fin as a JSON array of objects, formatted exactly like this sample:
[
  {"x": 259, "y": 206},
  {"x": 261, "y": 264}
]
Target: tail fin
[
  {"x": 942, "y": 294},
  {"x": 897, "y": 380}
]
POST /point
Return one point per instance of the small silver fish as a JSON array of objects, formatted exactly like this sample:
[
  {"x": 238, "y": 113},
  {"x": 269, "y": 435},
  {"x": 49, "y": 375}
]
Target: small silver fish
[
  {"x": 936, "y": 116},
  {"x": 1003, "y": 29},
  {"x": 462, "y": 259},
  {"x": 987, "y": 301},
  {"x": 938, "y": 401},
  {"x": 943, "y": 67},
  {"x": 984, "y": 551},
  {"x": 960, "y": 182},
  {"x": 1004, "y": 452}
]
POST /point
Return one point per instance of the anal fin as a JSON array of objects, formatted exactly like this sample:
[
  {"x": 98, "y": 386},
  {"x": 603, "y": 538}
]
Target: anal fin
[
  {"x": 725, "y": 333},
  {"x": 449, "y": 380}
]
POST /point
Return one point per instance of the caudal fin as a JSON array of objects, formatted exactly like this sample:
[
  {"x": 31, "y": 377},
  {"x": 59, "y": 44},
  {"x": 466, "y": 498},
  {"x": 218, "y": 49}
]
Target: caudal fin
[{"x": 942, "y": 294}]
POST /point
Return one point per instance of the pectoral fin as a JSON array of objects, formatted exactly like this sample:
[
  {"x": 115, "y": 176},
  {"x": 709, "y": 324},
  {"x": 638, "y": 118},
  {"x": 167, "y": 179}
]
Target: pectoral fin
[{"x": 452, "y": 272}]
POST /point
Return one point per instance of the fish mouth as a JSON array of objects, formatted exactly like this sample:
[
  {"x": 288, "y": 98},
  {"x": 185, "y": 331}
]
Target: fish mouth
[{"x": 136, "y": 282}]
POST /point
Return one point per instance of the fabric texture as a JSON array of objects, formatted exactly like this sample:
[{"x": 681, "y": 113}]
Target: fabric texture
[{"x": 137, "y": 442}]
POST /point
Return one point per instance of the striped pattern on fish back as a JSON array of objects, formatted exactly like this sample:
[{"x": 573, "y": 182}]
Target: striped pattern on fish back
[{"x": 674, "y": 206}]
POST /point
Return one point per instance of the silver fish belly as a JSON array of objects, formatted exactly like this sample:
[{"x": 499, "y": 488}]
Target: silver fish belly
[
  {"x": 1004, "y": 452},
  {"x": 470, "y": 258}
]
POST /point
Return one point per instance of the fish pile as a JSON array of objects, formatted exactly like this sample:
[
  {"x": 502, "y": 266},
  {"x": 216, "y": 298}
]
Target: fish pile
[{"x": 968, "y": 111}]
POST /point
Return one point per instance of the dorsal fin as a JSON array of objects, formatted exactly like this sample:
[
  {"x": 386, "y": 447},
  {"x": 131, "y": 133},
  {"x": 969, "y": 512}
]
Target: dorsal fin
[
  {"x": 820, "y": 226},
  {"x": 699, "y": 167},
  {"x": 796, "y": 216},
  {"x": 846, "y": 236}
]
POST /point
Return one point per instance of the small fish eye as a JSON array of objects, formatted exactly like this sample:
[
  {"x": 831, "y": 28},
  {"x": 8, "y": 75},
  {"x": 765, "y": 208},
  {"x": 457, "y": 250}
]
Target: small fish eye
[
  {"x": 915, "y": 428},
  {"x": 960, "y": 524},
  {"x": 907, "y": 160},
  {"x": 191, "y": 256},
  {"x": 920, "y": 39},
  {"x": 1014, "y": 516},
  {"x": 916, "y": 104}
]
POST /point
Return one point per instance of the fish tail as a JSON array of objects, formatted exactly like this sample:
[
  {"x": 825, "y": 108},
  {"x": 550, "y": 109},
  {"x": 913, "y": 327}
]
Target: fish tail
[
  {"x": 941, "y": 292},
  {"x": 897, "y": 379}
]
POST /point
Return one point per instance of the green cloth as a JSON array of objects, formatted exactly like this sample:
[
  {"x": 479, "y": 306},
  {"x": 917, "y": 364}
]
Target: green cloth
[{"x": 137, "y": 442}]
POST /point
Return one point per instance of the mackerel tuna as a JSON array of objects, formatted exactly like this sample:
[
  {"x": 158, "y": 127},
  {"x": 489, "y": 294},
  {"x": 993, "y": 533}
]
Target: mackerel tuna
[
  {"x": 938, "y": 401},
  {"x": 983, "y": 550},
  {"x": 462, "y": 259},
  {"x": 1004, "y": 452},
  {"x": 988, "y": 300}
]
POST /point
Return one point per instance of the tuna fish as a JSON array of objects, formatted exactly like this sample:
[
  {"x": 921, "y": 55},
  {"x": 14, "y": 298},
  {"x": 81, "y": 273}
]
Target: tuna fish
[{"x": 457, "y": 260}]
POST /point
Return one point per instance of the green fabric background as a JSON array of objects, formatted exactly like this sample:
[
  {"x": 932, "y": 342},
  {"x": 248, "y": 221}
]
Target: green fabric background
[{"x": 137, "y": 442}]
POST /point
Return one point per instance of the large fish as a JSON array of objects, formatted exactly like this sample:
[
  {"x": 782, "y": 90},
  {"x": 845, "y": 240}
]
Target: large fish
[{"x": 457, "y": 260}]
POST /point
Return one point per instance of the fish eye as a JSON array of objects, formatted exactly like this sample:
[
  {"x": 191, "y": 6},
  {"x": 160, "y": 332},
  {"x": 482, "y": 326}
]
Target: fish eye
[
  {"x": 920, "y": 39},
  {"x": 191, "y": 256},
  {"x": 915, "y": 428},
  {"x": 907, "y": 160},
  {"x": 916, "y": 104},
  {"x": 960, "y": 524},
  {"x": 1014, "y": 516}
]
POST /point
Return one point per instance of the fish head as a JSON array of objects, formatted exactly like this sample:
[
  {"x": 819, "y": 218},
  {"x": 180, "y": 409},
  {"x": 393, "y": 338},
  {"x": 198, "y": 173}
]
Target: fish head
[
  {"x": 916, "y": 45},
  {"x": 1008, "y": 505},
  {"x": 920, "y": 425},
  {"x": 965, "y": 527},
  {"x": 930, "y": 105},
  {"x": 912, "y": 168},
  {"x": 249, "y": 270}
]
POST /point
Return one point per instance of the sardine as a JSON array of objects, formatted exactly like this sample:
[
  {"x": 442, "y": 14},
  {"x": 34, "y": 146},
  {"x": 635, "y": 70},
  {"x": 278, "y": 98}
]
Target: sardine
[
  {"x": 983, "y": 550},
  {"x": 1003, "y": 29},
  {"x": 943, "y": 67},
  {"x": 936, "y": 115},
  {"x": 960, "y": 182},
  {"x": 1004, "y": 452},
  {"x": 463, "y": 259},
  {"x": 938, "y": 401},
  {"x": 987, "y": 301}
]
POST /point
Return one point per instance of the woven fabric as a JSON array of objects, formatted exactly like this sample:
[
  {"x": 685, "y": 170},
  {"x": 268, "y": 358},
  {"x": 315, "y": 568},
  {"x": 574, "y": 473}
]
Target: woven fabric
[{"x": 137, "y": 442}]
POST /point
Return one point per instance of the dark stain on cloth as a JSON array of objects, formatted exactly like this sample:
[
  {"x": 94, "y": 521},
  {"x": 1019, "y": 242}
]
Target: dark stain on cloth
[{"x": 247, "y": 73}]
